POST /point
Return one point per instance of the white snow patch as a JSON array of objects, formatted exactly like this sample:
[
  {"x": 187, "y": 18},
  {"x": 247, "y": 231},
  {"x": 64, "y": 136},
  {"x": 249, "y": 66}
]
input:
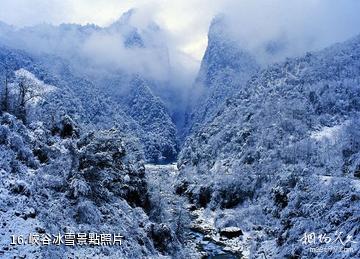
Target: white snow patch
[
  {"x": 328, "y": 133},
  {"x": 168, "y": 167},
  {"x": 37, "y": 88},
  {"x": 327, "y": 180}
]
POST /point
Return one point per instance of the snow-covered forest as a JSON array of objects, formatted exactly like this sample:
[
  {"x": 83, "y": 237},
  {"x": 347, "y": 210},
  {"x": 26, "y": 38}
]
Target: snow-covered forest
[{"x": 111, "y": 149}]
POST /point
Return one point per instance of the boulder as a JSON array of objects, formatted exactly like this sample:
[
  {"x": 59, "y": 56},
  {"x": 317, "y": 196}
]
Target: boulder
[
  {"x": 231, "y": 232},
  {"x": 161, "y": 236},
  {"x": 68, "y": 128}
]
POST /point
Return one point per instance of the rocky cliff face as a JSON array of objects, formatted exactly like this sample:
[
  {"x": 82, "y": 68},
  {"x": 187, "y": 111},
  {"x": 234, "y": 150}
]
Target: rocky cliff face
[{"x": 224, "y": 71}]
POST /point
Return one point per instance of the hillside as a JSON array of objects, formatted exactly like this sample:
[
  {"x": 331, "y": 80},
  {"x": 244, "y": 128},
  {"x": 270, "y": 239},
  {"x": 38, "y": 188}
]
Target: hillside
[
  {"x": 224, "y": 71},
  {"x": 78, "y": 57},
  {"x": 269, "y": 156},
  {"x": 50, "y": 184}
]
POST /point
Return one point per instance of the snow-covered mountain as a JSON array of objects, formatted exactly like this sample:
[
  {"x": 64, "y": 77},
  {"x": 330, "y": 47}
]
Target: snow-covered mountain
[
  {"x": 270, "y": 151},
  {"x": 224, "y": 71},
  {"x": 281, "y": 158},
  {"x": 73, "y": 96},
  {"x": 159, "y": 130},
  {"x": 72, "y": 160},
  {"x": 98, "y": 66}
]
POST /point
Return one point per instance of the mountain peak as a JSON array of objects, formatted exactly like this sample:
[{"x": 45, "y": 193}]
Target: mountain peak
[
  {"x": 125, "y": 18},
  {"x": 219, "y": 29}
]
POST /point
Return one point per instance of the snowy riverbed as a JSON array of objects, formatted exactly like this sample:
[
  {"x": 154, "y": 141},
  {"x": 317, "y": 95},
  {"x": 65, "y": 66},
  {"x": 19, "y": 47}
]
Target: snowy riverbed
[{"x": 208, "y": 245}]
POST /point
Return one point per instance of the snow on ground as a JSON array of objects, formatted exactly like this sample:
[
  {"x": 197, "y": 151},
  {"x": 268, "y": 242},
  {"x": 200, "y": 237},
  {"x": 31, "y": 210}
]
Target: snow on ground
[{"x": 329, "y": 133}]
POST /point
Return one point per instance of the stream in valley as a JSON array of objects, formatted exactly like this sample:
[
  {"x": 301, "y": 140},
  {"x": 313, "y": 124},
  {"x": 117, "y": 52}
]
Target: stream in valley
[
  {"x": 211, "y": 249},
  {"x": 166, "y": 175}
]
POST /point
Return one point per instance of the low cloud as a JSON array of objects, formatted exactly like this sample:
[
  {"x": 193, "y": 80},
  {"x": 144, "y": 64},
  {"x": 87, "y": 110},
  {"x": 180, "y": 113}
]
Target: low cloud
[
  {"x": 108, "y": 50},
  {"x": 275, "y": 29},
  {"x": 271, "y": 29}
]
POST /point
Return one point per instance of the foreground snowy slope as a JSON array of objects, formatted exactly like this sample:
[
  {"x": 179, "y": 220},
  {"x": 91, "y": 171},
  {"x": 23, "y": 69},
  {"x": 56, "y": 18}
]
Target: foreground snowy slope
[
  {"x": 59, "y": 182},
  {"x": 50, "y": 184},
  {"x": 282, "y": 157}
]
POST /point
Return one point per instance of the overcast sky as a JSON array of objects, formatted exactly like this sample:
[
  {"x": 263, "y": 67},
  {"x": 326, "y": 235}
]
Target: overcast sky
[{"x": 315, "y": 23}]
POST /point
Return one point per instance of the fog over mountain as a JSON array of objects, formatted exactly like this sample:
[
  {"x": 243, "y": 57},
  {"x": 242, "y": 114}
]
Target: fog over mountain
[
  {"x": 309, "y": 23},
  {"x": 268, "y": 30}
]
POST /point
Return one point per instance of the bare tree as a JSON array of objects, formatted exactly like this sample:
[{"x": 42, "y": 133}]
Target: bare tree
[
  {"x": 5, "y": 94},
  {"x": 26, "y": 93},
  {"x": 22, "y": 103}
]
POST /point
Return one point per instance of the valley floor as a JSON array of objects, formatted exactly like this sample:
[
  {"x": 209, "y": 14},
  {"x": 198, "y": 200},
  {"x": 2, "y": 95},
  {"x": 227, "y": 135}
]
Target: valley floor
[{"x": 201, "y": 238}]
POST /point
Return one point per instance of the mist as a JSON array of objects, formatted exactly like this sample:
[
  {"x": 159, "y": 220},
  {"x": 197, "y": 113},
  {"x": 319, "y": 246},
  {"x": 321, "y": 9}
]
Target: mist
[
  {"x": 174, "y": 34},
  {"x": 276, "y": 29}
]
